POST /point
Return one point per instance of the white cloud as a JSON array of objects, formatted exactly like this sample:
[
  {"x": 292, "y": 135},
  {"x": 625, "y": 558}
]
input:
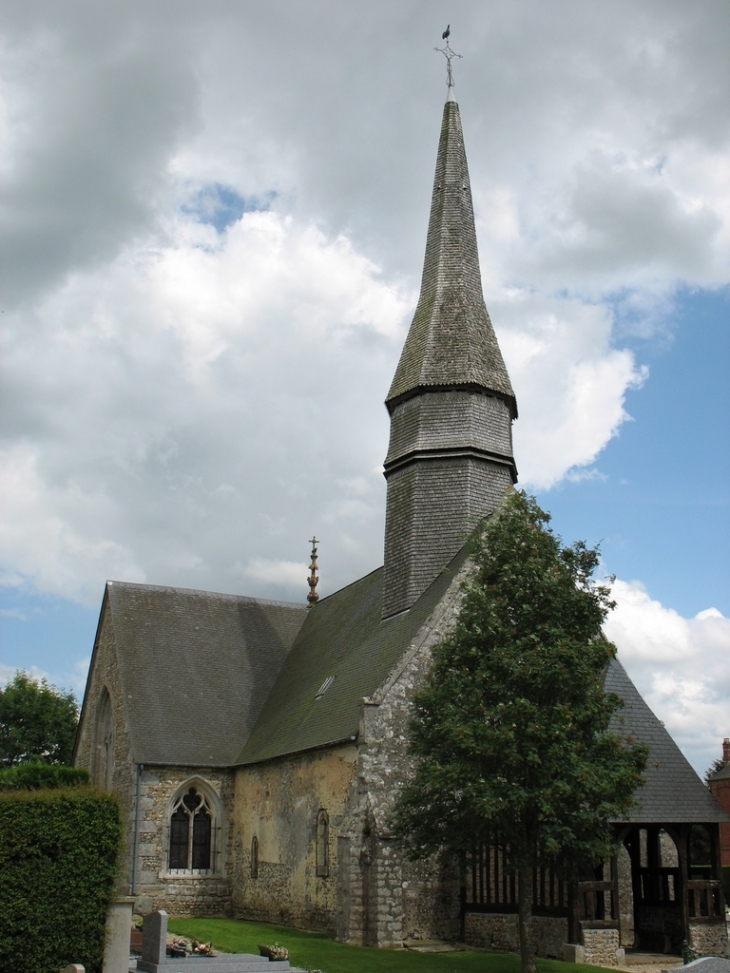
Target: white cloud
[
  {"x": 197, "y": 402},
  {"x": 286, "y": 573},
  {"x": 680, "y": 665},
  {"x": 75, "y": 680},
  {"x": 569, "y": 382},
  {"x": 188, "y": 407}
]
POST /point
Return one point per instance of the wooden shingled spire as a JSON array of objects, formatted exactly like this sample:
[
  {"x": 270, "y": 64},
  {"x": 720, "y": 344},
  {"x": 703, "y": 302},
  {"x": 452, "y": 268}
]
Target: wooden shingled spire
[{"x": 451, "y": 401}]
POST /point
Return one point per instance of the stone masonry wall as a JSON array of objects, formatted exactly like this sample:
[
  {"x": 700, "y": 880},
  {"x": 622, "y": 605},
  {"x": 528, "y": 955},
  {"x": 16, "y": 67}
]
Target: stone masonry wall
[
  {"x": 105, "y": 674},
  {"x": 183, "y": 893},
  {"x": 179, "y": 893},
  {"x": 389, "y": 899},
  {"x": 602, "y": 947},
  {"x": 709, "y": 939},
  {"x": 500, "y": 932},
  {"x": 278, "y": 803}
]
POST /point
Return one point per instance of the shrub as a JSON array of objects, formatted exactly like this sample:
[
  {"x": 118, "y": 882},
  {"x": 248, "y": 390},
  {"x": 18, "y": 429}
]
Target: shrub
[
  {"x": 37, "y": 777},
  {"x": 58, "y": 864}
]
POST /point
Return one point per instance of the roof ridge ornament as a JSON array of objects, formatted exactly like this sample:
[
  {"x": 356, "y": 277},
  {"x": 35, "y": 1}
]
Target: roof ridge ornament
[
  {"x": 312, "y": 580},
  {"x": 449, "y": 55}
]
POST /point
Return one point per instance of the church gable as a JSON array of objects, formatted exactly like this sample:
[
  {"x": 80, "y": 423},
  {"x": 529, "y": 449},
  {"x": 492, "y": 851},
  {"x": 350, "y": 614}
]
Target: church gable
[
  {"x": 190, "y": 663},
  {"x": 102, "y": 741}
]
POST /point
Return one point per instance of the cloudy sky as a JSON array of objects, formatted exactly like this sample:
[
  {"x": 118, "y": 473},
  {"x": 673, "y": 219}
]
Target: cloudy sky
[{"x": 212, "y": 225}]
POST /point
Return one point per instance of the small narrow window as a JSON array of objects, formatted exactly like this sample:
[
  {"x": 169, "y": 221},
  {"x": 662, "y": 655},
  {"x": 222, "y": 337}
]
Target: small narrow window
[
  {"x": 323, "y": 844},
  {"x": 254, "y": 857},
  {"x": 103, "y": 766}
]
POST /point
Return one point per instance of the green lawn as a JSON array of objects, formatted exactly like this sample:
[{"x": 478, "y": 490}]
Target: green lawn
[{"x": 315, "y": 953}]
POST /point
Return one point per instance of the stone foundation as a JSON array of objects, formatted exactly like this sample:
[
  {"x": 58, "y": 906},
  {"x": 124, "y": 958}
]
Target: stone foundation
[
  {"x": 602, "y": 948},
  {"x": 500, "y": 932},
  {"x": 709, "y": 938}
]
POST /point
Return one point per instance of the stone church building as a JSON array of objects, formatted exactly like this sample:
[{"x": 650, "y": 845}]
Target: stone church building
[{"x": 257, "y": 746}]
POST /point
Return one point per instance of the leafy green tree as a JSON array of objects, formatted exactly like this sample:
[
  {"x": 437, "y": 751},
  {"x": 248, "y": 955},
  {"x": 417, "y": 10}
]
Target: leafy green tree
[
  {"x": 37, "y": 722},
  {"x": 510, "y": 732}
]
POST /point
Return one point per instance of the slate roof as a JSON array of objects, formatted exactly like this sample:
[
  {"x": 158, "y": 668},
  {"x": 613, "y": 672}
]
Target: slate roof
[
  {"x": 451, "y": 342},
  {"x": 673, "y": 793},
  {"x": 195, "y": 668},
  {"x": 342, "y": 637},
  {"x": 722, "y": 774}
]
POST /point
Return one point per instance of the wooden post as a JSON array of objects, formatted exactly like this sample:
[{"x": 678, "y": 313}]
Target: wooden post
[
  {"x": 574, "y": 912},
  {"x": 682, "y": 854},
  {"x": 716, "y": 862}
]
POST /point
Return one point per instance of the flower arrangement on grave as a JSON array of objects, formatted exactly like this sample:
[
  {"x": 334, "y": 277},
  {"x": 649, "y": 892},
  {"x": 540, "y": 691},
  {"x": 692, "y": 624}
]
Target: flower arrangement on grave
[
  {"x": 181, "y": 946},
  {"x": 275, "y": 952}
]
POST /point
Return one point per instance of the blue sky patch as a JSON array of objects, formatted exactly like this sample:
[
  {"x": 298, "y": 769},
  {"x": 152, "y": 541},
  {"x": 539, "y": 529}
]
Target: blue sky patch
[{"x": 221, "y": 205}]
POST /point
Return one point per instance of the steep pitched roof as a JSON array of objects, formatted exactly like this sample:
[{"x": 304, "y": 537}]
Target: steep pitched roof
[
  {"x": 451, "y": 342},
  {"x": 673, "y": 793},
  {"x": 343, "y": 637},
  {"x": 195, "y": 668}
]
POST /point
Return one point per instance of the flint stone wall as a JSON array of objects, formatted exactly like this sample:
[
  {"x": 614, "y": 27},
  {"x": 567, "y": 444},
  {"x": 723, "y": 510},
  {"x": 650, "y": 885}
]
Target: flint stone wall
[
  {"x": 182, "y": 893},
  {"x": 387, "y": 899},
  {"x": 500, "y": 932},
  {"x": 278, "y": 803},
  {"x": 602, "y": 948},
  {"x": 709, "y": 938},
  {"x": 105, "y": 674}
]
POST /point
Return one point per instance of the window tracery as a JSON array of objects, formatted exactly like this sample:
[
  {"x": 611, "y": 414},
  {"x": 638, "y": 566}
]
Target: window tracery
[{"x": 192, "y": 822}]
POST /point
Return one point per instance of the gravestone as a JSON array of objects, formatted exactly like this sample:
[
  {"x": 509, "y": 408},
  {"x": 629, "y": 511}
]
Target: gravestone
[
  {"x": 708, "y": 964},
  {"x": 154, "y": 940}
]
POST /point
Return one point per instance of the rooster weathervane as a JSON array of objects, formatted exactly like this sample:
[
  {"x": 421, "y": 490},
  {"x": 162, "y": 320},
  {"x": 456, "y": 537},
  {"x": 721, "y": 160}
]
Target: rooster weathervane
[{"x": 449, "y": 55}]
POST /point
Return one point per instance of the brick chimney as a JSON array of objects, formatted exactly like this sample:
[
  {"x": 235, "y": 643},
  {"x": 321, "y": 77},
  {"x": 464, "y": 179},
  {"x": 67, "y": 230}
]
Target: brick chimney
[{"x": 726, "y": 751}]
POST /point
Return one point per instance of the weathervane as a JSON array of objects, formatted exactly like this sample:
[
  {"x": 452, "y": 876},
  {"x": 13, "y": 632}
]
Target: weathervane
[
  {"x": 312, "y": 580},
  {"x": 449, "y": 55}
]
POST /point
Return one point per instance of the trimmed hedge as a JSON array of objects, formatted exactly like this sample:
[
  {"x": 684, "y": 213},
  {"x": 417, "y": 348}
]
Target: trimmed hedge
[
  {"x": 38, "y": 777},
  {"x": 58, "y": 865}
]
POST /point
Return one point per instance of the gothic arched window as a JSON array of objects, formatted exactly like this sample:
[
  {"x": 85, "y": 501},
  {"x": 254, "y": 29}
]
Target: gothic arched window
[
  {"x": 103, "y": 768},
  {"x": 191, "y": 833},
  {"x": 323, "y": 844}
]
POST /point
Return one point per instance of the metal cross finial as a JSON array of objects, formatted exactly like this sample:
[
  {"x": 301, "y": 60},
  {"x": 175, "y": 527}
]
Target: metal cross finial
[
  {"x": 449, "y": 55},
  {"x": 313, "y": 597}
]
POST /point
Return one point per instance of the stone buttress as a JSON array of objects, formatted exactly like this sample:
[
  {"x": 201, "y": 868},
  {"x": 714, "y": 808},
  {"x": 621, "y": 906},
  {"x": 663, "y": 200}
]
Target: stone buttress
[{"x": 451, "y": 402}]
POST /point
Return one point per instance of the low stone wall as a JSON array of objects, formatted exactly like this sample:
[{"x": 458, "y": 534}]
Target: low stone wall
[
  {"x": 602, "y": 948},
  {"x": 709, "y": 938},
  {"x": 500, "y": 931}
]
